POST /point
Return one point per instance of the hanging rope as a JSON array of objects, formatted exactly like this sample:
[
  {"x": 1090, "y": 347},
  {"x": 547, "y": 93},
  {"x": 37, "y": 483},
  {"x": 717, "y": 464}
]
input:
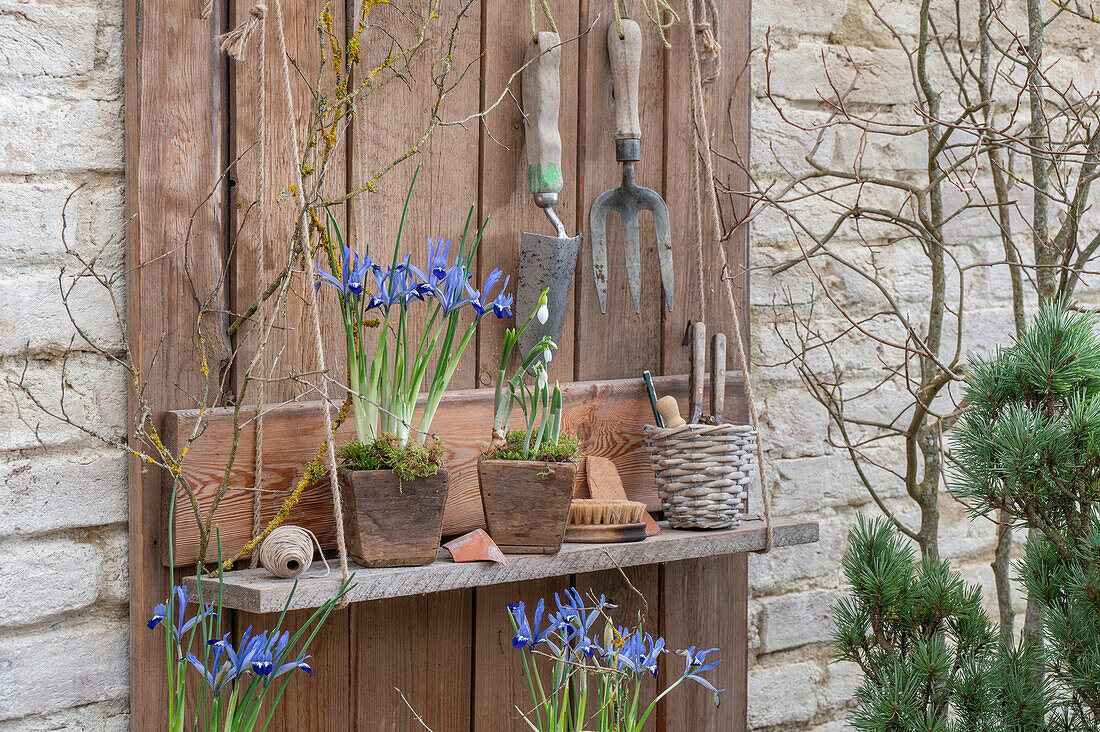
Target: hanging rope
[
  {"x": 705, "y": 29},
  {"x": 535, "y": 20},
  {"x": 311, "y": 291},
  {"x": 233, "y": 43},
  {"x": 659, "y": 12},
  {"x": 704, "y": 168},
  {"x": 620, "y": 13}
]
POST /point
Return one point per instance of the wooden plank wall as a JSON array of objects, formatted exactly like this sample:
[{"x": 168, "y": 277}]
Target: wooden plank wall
[{"x": 189, "y": 112}]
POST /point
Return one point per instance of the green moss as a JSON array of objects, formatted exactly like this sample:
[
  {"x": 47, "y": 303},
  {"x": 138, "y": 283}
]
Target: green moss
[
  {"x": 407, "y": 462},
  {"x": 566, "y": 448}
]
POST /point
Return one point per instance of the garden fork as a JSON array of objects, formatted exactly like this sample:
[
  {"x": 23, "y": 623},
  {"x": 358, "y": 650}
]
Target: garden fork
[{"x": 628, "y": 199}]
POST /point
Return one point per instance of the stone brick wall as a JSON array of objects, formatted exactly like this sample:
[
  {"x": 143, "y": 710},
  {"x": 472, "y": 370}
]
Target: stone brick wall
[
  {"x": 63, "y": 581},
  {"x": 792, "y": 684},
  {"x": 63, "y": 569}
]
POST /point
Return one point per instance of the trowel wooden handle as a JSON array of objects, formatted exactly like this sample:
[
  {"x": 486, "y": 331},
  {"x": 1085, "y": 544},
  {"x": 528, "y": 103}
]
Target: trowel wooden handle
[
  {"x": 626, "y": 63},
  {"x": 541, "y": 101}
]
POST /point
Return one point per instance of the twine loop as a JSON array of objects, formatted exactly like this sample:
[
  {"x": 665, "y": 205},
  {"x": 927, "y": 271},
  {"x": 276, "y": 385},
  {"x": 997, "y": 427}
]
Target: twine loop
[
  {"x": 234, "y": 41},
  {"x": 535, "y": 20}
]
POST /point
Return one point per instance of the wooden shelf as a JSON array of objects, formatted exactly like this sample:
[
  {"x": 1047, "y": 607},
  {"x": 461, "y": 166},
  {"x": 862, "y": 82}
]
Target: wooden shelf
[
  {"x": 608, "y": 416},
  {"x": 256, "y": 591}
]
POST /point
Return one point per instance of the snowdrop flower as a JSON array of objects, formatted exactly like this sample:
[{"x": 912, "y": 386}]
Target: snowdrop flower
[{"x": 543, "y": 313}]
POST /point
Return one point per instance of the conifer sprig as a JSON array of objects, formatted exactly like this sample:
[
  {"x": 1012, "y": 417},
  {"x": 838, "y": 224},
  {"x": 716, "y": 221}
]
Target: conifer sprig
[{"x": 1027, "y": 444}]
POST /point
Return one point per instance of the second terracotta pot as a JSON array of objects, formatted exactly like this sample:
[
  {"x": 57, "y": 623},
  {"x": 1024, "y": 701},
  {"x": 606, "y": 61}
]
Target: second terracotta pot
[
  {"x": 389, "y": 522},
  {"x": 526, "y": 503}
]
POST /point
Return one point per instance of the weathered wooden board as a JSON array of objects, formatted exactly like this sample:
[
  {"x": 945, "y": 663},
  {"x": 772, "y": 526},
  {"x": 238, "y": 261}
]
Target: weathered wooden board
[
  {"x": 306, "y": 704},
  {"x": 418, "y": 647},
  {"x": 394, "y": 113},
  {"x": 421, "y": 645},
  {"x": 318, "y": 701},
  {"x": 453, "y": 656},
  {"x": 504, "y": 196},
  {"x": 727, "y": 99},
  {"x": 620, "y": 342},
  {"x": 500, "y": 684},
  {"x": 608, "y": 417},
  {"x": 290, "y": 347},
  {"x": 704, "y": 603},
  {"x": 256, "y": 590},
  {"x": 176, "y": 119}
]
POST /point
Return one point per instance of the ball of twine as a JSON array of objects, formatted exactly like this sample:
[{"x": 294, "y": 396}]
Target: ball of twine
[{"x": 288, "y": 551}]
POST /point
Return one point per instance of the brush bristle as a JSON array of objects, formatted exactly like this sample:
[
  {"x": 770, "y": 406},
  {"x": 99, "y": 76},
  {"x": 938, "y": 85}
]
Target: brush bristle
[{"x": 588, "y": 511}]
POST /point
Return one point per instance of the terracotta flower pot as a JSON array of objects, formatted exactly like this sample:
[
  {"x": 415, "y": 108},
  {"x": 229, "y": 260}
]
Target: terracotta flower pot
[
  {"x": 526, "y": 503},
  {"x": 389, "y": 522}
]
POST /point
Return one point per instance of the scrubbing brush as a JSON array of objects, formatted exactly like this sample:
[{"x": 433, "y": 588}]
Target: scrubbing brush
[
  {"x": 590, "y": 511},
  {"x": 605, "y": 521}
]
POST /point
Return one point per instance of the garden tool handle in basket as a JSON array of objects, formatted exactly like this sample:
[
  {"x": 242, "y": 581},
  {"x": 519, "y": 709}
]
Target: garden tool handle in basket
[
  {"x": 625, "y": 55},
  {"x": 697, "y": 358},
  {"x": 718, "y": 377},
  {"x": 541, "y": 103}
]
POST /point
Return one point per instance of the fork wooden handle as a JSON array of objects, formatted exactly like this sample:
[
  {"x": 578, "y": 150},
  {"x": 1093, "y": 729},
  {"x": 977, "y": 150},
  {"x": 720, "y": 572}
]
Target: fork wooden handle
[{"x": 626, "y": 62}]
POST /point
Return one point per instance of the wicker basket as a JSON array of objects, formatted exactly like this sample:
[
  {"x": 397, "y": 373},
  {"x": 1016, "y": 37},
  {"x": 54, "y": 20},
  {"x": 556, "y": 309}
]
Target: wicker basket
[{"x": 703, "y": 472}]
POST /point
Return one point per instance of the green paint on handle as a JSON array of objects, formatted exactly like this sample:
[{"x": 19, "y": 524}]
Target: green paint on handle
[{"x": 544, "y": 178}]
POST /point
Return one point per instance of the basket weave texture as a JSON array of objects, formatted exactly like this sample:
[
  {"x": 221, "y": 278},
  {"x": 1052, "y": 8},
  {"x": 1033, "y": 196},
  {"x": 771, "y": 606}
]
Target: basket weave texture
[{"x": 703, "y": 472}]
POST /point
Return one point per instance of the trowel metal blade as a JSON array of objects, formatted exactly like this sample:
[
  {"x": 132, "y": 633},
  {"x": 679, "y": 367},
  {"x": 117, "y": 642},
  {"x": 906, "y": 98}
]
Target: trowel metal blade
[{"x": 544, "y": 262}]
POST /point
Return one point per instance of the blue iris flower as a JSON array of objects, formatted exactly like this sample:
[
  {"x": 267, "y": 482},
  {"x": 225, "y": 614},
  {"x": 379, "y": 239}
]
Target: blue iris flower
[
  {"x": 501, "y": 304},
  {"x": 576, "y": 621},
  {"x": 448, "y": 290},
  {"x": 438, "y": 252},
  {"x": 159, "y": 613},
  {"x": 697, "y": 665},
  {"x": 452, "y": 288},
  {"x": 529, "y": 634},
  {"x": 398, "y": 284},
  {"x": 639, "y": 653},
  {"x": 221, "y": 674},
  {"x": 267, "y": 663},
  {"x": 182, "y": 624},
  {"x": 352, "y": 275},
  {"x": 251, "y": 647}
]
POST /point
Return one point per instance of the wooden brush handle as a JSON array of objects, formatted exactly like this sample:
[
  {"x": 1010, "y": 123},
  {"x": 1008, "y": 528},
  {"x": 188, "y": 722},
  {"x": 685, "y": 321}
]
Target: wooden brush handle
[{"x": 669, "y": 410}]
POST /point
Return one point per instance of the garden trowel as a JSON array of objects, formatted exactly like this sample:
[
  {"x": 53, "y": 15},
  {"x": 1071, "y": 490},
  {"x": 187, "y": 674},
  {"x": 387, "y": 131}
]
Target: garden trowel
[
  {"x": 629, "y": 198},
  {"x": 544, "y": 261}
]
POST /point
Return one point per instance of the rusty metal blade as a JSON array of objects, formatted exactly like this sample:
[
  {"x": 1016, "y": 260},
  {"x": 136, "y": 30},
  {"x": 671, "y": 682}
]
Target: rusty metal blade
[
  {"x": 632, "y": 246},
  {"x": 544, "y": 262},
  {"x": 664, "y": 250},
  {"x": 597, "y": 232}
]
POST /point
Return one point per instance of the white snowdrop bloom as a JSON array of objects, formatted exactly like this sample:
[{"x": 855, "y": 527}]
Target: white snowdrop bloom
[
  {"x": 547, "y": 355},
  {"x": 542, "y": 381},
  {"x": 543, "y": 314}
]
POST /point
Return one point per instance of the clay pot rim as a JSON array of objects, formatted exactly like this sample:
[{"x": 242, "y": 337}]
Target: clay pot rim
[
  {"x": 482, "y": 458},
  {"x": 345, "y": 468}
]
